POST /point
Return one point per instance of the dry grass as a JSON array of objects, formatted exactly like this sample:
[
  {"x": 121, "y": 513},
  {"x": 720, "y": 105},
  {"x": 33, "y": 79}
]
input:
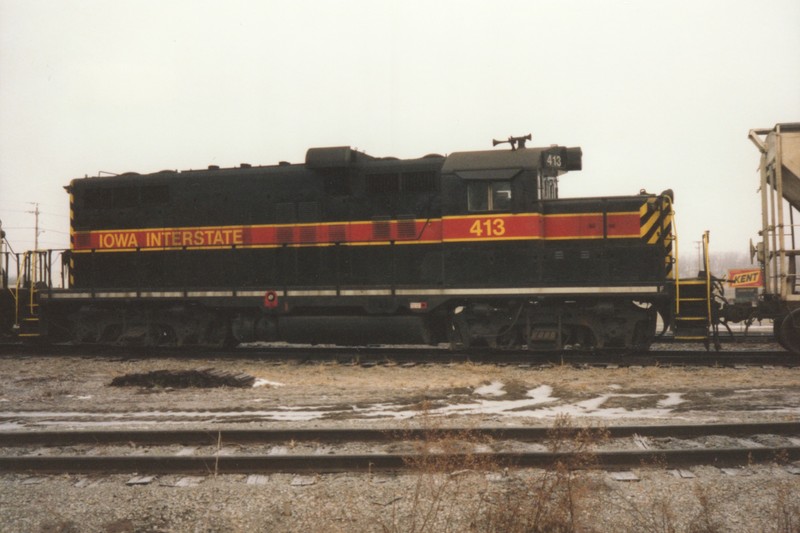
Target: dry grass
[
  {"x": 468, "y": 492},
  {"x": 785, "y": 512},
  {"x": 454, "y": 489},
  {"x": 774, "y": 506},
  {"x": 553, "y": 500}
]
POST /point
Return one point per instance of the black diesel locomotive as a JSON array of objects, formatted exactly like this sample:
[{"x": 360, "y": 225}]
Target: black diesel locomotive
[{"x": 474, "y": 248}]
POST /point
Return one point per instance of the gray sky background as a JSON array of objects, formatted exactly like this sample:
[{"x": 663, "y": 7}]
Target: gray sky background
[{"x": 659, "y": 94}]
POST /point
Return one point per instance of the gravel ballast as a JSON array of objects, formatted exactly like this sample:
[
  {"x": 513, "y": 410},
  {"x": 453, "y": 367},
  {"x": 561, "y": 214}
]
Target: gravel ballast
[{"x": 72, "y": 392}]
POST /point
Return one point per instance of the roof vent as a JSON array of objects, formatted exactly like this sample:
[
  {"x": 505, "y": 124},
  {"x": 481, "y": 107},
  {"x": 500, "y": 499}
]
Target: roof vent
[
  {"x": 245, "y": 165},
  {"x": 334, "y": 157},
  {"x": 213, "y": 167}
]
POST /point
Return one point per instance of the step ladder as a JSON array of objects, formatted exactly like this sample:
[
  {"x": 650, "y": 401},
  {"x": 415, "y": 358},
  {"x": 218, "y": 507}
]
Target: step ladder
[
  {"x": 696, "y": 316},
  {"x": 27, "y": 297},
  {"x": 692, "y": 311},
  {"x": 29, "y": 325}
]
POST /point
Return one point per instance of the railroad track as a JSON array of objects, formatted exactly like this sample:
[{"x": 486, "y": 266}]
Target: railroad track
[
  {"x": 393, "y": 355},
  {"x": 270, "y": 451}
]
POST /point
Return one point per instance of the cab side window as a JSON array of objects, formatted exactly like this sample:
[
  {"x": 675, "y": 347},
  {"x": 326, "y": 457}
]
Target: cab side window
[{"x": 485, "y": 196}]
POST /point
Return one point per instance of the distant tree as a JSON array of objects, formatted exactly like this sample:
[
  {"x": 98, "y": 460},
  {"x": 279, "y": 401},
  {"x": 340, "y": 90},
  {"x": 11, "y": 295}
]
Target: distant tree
[{"x": 720, "y": 262}]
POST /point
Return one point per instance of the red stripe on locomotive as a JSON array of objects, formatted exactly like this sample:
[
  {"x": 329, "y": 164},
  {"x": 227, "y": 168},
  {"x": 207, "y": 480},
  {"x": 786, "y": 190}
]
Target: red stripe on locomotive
[
  {"x": 492, "y": 227},
  {"x": 465, "y": 228}
]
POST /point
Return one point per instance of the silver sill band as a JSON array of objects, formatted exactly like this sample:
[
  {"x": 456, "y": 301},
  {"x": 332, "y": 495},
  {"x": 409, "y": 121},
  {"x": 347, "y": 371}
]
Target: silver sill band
[{"x": 498, "y": 291}]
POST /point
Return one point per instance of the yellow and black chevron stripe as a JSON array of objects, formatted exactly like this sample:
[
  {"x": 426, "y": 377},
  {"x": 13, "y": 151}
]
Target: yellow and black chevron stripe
[
  {"x": 71, "y": 238},
  {"x": 655, "y": 218}
]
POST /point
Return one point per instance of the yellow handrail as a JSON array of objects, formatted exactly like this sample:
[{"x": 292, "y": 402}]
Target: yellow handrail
[
  {"x": 708, "y": 274},
  {"x": 28, "y": 269},
  {"x": 20, "y": 277},
  {"x": 676, "y": 269}
]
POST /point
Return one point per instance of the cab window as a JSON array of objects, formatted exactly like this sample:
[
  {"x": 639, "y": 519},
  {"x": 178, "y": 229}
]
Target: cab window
[{"x": 485, "y": 196}]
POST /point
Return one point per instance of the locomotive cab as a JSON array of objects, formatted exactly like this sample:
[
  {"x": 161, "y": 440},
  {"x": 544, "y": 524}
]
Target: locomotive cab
[{"x": 545, "y": 272}]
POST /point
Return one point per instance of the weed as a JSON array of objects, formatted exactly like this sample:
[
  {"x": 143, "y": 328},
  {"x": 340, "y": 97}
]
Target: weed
[
  {"x": 785, "y": 512},
  {"x": 705, "y": 521},
  {"x": 455, "y": 488}
]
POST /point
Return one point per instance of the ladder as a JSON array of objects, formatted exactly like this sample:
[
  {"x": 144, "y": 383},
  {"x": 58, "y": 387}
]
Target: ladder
[
  {"x": 692, "y": 316},
  {"x": 26, "y": 296},
  {"x": 694, "y": 313}
]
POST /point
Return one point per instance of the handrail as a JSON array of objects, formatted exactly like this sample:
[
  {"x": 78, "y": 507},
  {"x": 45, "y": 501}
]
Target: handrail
[
  {"x": 20, "y": 278},
  {"x": 33, "y": 272},
  {"x": 676, "y": 268},
  {"x": 708, "y": 273}
]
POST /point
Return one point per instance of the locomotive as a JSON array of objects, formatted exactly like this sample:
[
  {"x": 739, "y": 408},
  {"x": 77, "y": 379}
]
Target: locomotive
[{"x": 472, "y": 249}]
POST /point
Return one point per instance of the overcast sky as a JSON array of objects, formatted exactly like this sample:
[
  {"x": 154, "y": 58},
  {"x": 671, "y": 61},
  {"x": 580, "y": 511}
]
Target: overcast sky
[{"x": 659, "y": 94}]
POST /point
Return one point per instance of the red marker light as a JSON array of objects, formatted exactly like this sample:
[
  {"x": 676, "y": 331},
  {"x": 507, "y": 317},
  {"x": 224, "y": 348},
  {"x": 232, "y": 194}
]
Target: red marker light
[{"x": 271, "y": 299}]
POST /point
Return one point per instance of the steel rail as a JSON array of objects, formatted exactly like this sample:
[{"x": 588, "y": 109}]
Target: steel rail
[
  {"x": 370, "y": 356},
  {"x": 369, "y": 463},
  {"x": 271, "y": 436}
]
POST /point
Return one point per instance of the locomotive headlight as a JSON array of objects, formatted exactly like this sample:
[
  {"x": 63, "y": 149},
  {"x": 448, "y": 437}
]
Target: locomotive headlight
[{"x": 574, "y": 158}]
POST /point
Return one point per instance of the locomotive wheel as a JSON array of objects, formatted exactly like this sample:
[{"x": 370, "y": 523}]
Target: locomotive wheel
[
  {"x": 506, "y": 338},
  {"x": 777, "y": 323},
  {"x": 789, "y": 334},
  {"x": 458, "y": 334},
  {"x": 643, "y": 334}
]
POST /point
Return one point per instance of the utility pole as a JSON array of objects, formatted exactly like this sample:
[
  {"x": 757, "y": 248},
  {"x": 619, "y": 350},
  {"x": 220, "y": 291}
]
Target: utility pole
[
  {"x": 34, "y": 261},
  {"x": 3, "y": 273},
  {"x": 35, "y": 213},
  {"x": 700, "y": 266}
]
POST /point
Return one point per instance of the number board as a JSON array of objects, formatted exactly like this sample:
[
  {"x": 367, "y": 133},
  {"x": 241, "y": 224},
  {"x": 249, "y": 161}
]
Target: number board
[{"x": 555, "y": 158}]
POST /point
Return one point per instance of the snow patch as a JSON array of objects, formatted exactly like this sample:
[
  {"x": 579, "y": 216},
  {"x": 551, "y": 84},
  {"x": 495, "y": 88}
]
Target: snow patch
[
  {"x": 541, "y": 394},
  {"x": 673, "y": 398},
  {"x": 495, "y": 388},
  {"x": 261, "y": 382}
]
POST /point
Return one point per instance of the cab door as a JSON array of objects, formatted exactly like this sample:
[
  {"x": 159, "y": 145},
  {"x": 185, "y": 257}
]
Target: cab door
[{"x": 481, "y": 227}]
